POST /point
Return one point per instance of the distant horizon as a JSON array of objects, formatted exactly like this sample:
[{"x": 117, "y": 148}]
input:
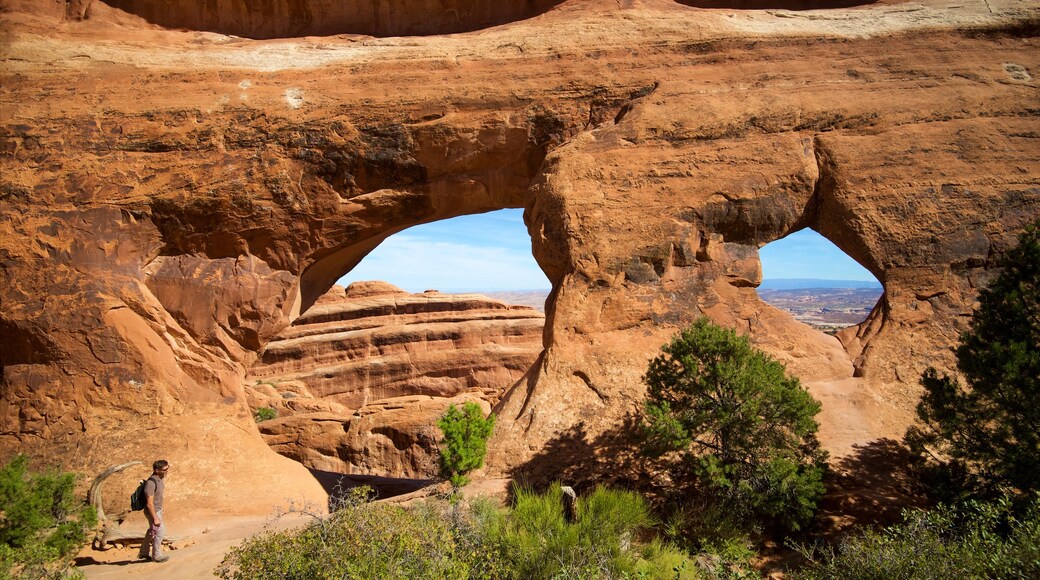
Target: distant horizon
[
  {"x": 491, "y": 252},
  {"x": 810, "y": 283},
  {"x": 767, "y": 284}
]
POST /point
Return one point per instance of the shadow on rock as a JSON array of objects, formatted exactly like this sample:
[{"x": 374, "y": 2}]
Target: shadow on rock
[
  {"x": 338, "y": 485},
  {"x": 870, "y": 487},
  {"x": 582, "y": 460}
]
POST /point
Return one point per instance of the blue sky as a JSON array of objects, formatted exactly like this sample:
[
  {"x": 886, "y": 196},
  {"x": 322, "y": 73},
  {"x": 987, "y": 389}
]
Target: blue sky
[
  {"x": 807, "y": 254},
  {"x": 492, "y": 251},
  {"x": 484, "y": 252}
]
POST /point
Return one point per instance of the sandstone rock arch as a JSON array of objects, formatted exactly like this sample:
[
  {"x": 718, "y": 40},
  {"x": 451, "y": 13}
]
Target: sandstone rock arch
[
  {"x": 177, "y": 209},
  {"x": 623, "y": 286}
]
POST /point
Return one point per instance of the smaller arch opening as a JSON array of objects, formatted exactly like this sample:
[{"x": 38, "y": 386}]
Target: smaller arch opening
[
  {"x": 443, "y": 313},
  {"x": 808, "y": 276}
]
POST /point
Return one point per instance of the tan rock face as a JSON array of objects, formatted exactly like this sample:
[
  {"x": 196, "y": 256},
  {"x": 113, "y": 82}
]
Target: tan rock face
[
  {"x": 359, "y": 381},
  {"x": 171, "y": 201}
]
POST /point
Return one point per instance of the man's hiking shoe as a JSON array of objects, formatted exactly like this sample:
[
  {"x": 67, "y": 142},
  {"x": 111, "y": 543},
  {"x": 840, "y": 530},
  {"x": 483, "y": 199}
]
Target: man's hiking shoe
[{"x": 161, "y": 559}]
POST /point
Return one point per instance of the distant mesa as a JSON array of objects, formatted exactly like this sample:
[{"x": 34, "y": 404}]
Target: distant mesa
[
  {"x": 826, "y": 309},
  {"x": 808, "y": 283},
  {"x": 359, "y": 380},
  {"x": 361, "y": 290}
]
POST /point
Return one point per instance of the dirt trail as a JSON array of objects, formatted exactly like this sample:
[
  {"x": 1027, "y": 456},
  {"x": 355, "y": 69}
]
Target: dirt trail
[
  {"x": 207, "y": 539},
  {"x": 869, "y": 482},
  {"x": 846, "y": 416}
]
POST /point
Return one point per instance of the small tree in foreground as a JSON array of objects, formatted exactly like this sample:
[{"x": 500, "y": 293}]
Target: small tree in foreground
[
  {"x": 42, "y": 524},
  {"x": 466, "y": 432},
  {"x": 984, "y": 437},
  {"x": 744, "y": 429}
]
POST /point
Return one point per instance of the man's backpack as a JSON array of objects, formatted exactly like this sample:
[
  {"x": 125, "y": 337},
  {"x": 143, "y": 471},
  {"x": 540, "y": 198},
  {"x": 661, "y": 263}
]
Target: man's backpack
[{"x": 138, "y": 500}]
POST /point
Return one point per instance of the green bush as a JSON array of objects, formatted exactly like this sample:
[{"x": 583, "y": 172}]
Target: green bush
[
  {"x": 264, "y": 414},
  {"x": 744, "y": 430},
  {"x": 541, "y": 543},
  {"x": 360, "y": 540},
  {"x": 722, "y": 537},
  {"x": 42, "y": 524},
  {"x": 466, "y": 432},
  {"x": 978, "y": 540},
  {"x": 983, "y": 439},
  {"x": 467, "y": 540}
]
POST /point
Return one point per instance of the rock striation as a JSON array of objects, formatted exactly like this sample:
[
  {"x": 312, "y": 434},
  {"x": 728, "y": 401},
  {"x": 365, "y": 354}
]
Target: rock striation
[
  {"x": 172, "y": 200},
  {"x": 359, "y": 381}
]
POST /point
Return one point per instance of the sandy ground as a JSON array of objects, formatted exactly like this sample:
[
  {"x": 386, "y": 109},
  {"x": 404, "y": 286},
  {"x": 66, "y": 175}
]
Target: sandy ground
[
  {"x": 844, "y": 421},
  {"x": 196, "y": 556}
]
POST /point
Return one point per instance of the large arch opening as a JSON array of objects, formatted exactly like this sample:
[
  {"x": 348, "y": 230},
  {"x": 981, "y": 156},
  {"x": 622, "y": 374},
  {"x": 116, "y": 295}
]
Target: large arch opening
[
  {"x": 822, "y": 287},
  {"x": 443, "y": 313},
  {"x": 268, "y": 19},
  {"x": 808, "y": 276}
]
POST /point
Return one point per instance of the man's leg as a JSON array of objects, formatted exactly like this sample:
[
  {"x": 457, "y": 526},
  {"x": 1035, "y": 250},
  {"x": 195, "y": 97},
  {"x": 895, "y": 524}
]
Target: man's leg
[
  {"x": 146, "y": 543},
  {"x": 157, "y": 538}
]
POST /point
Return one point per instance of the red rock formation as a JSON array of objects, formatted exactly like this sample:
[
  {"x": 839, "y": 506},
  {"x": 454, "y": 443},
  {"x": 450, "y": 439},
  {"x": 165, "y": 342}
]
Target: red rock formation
[
  {"x": 171, "y": 200},
  {"x": 359, "y": 381}
]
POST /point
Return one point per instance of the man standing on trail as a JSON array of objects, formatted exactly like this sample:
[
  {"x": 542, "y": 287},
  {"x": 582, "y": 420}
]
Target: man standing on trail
[{"x": 153, "y": 510}]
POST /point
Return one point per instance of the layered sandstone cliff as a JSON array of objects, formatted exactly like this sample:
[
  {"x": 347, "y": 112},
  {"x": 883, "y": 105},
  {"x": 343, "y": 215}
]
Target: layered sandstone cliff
[
  {"x": 171, "y": 200},
  {"x": 359, "y": 381}
]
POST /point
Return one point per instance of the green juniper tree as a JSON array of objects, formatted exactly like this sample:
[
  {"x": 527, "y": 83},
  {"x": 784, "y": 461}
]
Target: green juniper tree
[
  {"x": 982, "y": 438},
  {"x": 42, "y": 523},
  {"x": 466, "y": 432},
  {"x": 745, "y": 430}
]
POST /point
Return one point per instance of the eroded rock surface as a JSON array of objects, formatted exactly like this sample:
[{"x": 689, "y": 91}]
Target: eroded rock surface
[
  {"x": 172, "y": 200},
  {"x": 359, "y": 381}
]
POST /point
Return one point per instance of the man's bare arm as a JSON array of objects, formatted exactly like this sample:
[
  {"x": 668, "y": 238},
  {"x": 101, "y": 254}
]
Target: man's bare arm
[{"x": 150, "y": 506}]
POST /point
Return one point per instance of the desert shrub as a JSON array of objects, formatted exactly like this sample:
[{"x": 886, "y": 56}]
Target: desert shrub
[
  {"x": 539, "y": 542},
  {"x": 466, "y": 432},
  {"x": 467, "y": 540},
  {"x": 264, "y": 414},
  {"x": 734, "y": 427},
  {"x": 360, "y": 540},
  {"x": 982, "y": 439},
  {"x": 976, "y": 540},
  {"x": 723, "y": 539},
  {"x": 663, "y": 560},
  {"x": 477, "y": 528},
  {"x": 42, "y": 523}
]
